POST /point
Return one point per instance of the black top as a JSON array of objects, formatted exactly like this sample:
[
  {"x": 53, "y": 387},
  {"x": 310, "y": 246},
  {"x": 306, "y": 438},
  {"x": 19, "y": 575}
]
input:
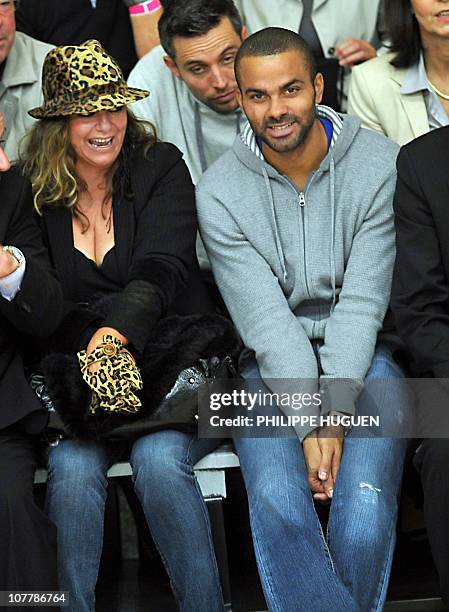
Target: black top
[
  {"x": 420, "y": 296},
  {"x": 37, "y": 308},
  {"x": 65, "y": 22},
  {"x": 96, "y": 280},
  {"x": 156, "y": 271}
]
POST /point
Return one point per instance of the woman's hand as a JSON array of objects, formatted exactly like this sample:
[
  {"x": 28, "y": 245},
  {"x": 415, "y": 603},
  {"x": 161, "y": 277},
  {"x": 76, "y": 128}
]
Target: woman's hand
[
  {"x": 354, "y": 51},
  {"x": 97, "y": 339}
]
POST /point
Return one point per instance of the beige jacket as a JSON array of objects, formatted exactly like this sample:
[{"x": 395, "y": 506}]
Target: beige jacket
[
  {"x": 20, "y": 88},
  {"x": 375, "y": 96}
]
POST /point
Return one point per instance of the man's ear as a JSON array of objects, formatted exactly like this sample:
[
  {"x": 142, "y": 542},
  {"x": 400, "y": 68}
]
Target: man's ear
[
  {"x": 171, "y": 65},
  {"x": 244, "y": 33},
  {"x": 319, "y": 88},
  {"x": 238, "y": 95}
]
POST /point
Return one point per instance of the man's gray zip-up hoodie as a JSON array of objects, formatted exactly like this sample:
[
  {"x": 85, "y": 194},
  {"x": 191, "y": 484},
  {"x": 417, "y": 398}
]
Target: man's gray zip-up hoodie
[{"x": 294, "y": 266}]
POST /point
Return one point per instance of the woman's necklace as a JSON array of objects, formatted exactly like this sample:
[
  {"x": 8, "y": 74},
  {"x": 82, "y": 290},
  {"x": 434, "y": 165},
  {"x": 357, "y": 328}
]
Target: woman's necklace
[{"x": 437, "y": 91}]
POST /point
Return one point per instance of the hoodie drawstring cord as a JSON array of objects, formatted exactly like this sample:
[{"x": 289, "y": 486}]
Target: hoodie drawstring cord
[
  {"x": 279, "y": 250},
  {"x": 332, "y": 254}
]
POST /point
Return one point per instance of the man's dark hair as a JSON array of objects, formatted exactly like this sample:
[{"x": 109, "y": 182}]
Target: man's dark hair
[
  {"x": 403, "y": 32},
  {"x": 189, "y": 18},
  {"x": 273, "y": 41}
]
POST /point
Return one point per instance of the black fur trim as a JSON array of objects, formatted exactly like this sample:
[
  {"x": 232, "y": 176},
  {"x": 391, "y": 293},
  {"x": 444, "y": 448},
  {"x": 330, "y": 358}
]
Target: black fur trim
[{"x": 175, "y": 344}]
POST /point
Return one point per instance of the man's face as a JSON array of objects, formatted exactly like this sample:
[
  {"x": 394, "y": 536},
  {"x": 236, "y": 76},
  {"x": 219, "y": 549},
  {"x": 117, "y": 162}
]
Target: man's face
[
  {"x": 206, "y": 64},
  {"x": 7, "y": 28},
  {"x": 278, "y": 97}
]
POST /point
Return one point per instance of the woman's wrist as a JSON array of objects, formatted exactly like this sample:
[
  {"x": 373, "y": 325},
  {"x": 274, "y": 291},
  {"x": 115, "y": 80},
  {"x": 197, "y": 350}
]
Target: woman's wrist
[
  {"x": 110, "y": 331},
  {"x": 97, "y": 338}
]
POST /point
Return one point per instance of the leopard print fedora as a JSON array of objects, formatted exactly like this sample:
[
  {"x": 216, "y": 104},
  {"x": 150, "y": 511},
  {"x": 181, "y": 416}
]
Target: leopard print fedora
[{"x": 80, "y": 80}]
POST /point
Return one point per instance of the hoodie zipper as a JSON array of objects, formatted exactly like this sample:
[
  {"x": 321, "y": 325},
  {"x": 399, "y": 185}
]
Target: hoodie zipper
[{"x": 302, "y": 203}]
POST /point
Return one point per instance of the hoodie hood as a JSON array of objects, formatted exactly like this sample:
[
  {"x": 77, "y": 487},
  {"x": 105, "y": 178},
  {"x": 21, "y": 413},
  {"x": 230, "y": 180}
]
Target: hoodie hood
[{"x": 345, "y": 129}]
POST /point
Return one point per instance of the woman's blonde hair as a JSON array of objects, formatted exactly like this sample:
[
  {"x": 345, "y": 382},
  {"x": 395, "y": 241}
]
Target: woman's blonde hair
[{"x": 49, "y": 161}]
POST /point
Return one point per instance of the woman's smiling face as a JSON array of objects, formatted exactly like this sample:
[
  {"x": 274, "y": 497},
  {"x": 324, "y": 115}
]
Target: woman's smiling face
[
  {"x": 97, "y": 139},
  {"x": 432, "y": 17}
]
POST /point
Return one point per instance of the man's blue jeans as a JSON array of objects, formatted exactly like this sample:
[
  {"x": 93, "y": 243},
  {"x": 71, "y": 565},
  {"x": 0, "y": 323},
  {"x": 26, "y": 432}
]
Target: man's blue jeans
[
  {"x": 347, "y": 569},
  {"x": 174, "y": 509}
]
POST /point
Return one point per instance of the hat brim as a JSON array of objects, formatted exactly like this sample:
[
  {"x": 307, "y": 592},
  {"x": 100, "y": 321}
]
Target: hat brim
[{"x": 88, "y": 102}]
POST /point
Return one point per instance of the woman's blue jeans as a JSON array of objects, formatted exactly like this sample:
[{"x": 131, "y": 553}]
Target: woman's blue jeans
[
  {"x": 162, "y": 465},
  {"x": 347, "y": 569}
]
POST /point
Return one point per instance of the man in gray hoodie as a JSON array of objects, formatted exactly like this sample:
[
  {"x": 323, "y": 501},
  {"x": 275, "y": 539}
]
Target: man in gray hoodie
[{"x": 297, "y": 221}]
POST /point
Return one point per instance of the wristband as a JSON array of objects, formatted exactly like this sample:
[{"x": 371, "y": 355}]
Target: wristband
[{"x": 149, "y": 6}]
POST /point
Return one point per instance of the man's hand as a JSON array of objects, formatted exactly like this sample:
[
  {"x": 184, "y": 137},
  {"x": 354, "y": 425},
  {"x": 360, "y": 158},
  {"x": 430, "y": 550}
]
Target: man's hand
[
  {"x": 8, "y": 263},
  {"x": 319, "y": 481},
  {"x": 323, "y": 450},
  {"x": 330, "y": 441},
  {"x": 354, "y": 51}
]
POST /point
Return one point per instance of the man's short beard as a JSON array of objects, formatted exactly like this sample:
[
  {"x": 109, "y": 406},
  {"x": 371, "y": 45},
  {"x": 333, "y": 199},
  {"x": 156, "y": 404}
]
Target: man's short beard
[{"x": 304, "y": 131}]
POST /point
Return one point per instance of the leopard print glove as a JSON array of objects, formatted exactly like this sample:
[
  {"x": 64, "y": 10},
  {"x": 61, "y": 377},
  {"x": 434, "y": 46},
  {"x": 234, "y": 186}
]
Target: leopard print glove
[{"x": 116, "y": 379}]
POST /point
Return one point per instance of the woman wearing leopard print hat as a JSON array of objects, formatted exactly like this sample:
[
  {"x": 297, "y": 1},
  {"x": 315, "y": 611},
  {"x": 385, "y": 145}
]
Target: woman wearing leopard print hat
[{"x": 117, "y": 212}]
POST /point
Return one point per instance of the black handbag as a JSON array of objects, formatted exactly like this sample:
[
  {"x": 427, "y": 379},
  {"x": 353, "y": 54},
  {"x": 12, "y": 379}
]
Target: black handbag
[{"x": 182, "y": 355}]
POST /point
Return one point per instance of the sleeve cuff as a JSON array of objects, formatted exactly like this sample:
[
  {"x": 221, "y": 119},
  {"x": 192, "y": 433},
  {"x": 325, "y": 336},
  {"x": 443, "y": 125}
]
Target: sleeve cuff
[{"x": 339, "y": 394}]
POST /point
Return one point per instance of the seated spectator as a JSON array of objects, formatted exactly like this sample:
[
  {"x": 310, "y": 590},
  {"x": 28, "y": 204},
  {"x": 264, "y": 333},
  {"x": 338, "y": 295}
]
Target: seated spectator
[
  {"x": 405, "y": 93},
  {"x": 420, "y": 302},
  {"x": 193, "y": 100},
  {"x": 306, "y": 275},
  {"x": 21, "y": 59},
  {"x": 350, "y": 34},
  {"x": 31, "y": 304},
  {"x": 126, "y": 28},
  {"x": 118, "y": 213}
]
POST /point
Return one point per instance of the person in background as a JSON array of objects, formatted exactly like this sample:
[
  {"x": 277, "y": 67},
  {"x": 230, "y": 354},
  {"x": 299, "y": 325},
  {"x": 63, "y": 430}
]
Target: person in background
[
  {"x": 118, "y": 214},
  {"x": 193, "y": 100},
  {"x": 126, "y": 28},
  {"x": 405, "y": 93},
  {"x": 21, "y": 59},
  {"x": 339, "y": 34},
  {"x": 194, "y": 103},
  {"x": 297, "y": 219},
  {"x": 30, "y": 305}
]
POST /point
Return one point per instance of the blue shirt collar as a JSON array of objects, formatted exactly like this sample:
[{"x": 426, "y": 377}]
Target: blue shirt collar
[{"x": 416, "y": 78}]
